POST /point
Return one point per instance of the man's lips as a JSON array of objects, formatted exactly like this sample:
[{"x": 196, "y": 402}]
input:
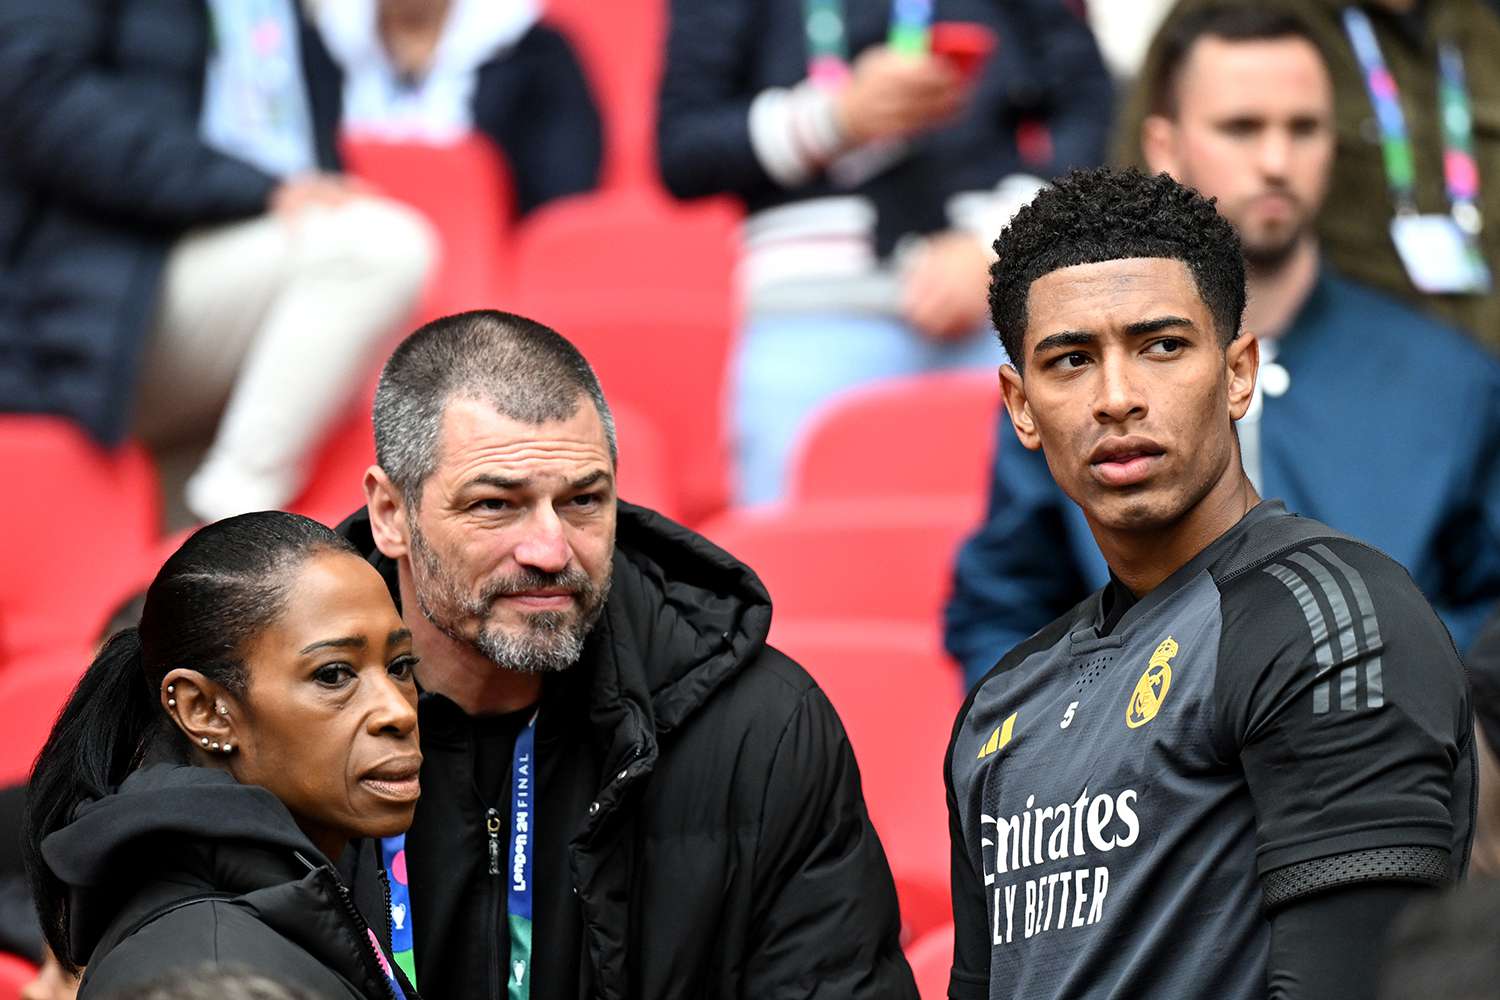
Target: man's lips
[
  {"x": 1125, "y": 461},
  {"x": 395, "y": 779},
  {"x": 541, "y": 599}
]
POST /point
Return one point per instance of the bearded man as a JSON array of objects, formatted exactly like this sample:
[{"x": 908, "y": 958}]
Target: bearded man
[{"x": 625, "y": 791}]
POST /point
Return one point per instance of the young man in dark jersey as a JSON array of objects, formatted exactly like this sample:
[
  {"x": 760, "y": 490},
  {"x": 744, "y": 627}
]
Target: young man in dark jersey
[{"x": 1227, "y": 771}]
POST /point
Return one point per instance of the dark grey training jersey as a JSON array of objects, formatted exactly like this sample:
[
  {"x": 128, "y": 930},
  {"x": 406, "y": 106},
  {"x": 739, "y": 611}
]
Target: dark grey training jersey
[{"x": 1134, "y": 788}]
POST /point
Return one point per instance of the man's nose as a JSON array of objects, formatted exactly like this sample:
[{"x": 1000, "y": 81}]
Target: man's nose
[
  {"x": 1274, "y": 153},
  {"x": 1120, "y": 397},
  {"x": 545, "y": 546}
]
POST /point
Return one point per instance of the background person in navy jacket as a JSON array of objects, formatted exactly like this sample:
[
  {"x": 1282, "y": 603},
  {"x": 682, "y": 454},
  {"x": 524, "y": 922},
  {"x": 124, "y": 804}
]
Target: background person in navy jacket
[
  {"x": 874, "y": 180},
  {"x": 1373, "y": 418},
  {"x": 176, "y": 240}
]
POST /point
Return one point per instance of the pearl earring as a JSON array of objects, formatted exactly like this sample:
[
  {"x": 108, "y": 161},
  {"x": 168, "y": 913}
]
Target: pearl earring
[
  {"x": 228, "y": 748},
  {"x": 204, "y": 741},
  {"x": 223, "y": 710}
]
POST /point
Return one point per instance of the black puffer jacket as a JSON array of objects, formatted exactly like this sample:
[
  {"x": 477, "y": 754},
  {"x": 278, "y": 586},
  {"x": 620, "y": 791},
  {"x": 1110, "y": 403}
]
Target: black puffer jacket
[
  {"x": 726, "y": 851},
  {"x": 173, "y": 834}
]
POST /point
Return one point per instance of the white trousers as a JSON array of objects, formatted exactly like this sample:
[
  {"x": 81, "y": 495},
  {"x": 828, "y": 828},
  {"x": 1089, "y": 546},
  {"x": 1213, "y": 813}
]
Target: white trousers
[{"x": 273, "y": 322}]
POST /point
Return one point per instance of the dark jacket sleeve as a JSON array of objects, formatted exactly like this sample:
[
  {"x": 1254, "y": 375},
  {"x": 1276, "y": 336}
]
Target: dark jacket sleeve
[
  {"x": 703, "y": 115},
  {"x": 1073, "y": 92},
  {"x": 969, "y": 978},
  {"x": 71, "y": 132},
  {"x": 825, "y": 921},
  {"x": 220, "y": 935},
  {"x": 1017, "y": 572},
  {"x": 1471, "y": 544},
  {"x": 534, "y": 102}
]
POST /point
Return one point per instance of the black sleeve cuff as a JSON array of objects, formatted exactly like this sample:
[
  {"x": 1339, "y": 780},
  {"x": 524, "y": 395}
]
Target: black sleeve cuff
[
  {"x": 964, "y": 986},
  {"x": 1425, "y": 865}
]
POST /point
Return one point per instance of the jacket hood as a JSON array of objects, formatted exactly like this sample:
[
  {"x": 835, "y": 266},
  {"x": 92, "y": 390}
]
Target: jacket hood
[{"x": 197, "y": 804}]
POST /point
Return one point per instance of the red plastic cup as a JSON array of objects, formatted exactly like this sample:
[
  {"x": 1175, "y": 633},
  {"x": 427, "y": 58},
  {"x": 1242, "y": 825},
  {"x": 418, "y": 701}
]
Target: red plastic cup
[{"x": 967, "y": 45}]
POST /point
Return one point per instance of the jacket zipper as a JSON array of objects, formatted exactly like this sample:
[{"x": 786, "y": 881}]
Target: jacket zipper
[
  {"x": 371, "y": 963},
  {"x": 492, "y": 829}
]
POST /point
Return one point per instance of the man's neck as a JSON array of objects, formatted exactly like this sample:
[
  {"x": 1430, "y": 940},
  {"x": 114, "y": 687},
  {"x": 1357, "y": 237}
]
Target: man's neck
[
  {"x": 1276, "y": 292},
  {"x": 457, "y": 671},
  {"x": 1143, "y": 559}
]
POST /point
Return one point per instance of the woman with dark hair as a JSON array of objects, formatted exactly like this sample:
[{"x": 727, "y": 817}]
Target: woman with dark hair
[{"x": 215, "y": 763}]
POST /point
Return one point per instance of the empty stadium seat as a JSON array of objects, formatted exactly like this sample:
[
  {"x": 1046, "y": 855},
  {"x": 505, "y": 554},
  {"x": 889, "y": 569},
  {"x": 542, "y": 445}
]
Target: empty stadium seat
[
  {"x": 929, "y": 435},
  {"x": 931, "y": 961},
  {"x": 898, "y": 695},
  {"x": 33, "y": 690},
  {"x": 644, "y": 287},
  {"x": 620, "y": 43},
  {"x": 881, "y": 559},
  {"x": 15, "y": 973},
  {"x": 464, "y": 190},
  {"x": 77, "y": 522}
]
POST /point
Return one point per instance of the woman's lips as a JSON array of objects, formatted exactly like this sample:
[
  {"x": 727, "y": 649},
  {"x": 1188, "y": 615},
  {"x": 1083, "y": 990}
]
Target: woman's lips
[{"x": 396, "y": 780}]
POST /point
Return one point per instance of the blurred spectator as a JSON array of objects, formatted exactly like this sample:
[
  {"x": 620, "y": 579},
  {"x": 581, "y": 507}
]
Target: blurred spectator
[
  {"x": 1369, "y": 416},
  {"x": 1356, "y": 224},
  {"x": 435, "y": 70},
  {"x": 1445, "y": 947},
  {"x": 175, "y": 241},
  {"x": 874, "y": 178}
]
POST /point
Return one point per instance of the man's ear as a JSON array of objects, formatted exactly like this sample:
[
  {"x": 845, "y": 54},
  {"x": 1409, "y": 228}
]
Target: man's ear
[
  {"x": 1242, "y": 360},
  {"x": 1014, "y": 390},
  {"x": 1159, "y": 144},
  {"x": 388, "y": 514}
]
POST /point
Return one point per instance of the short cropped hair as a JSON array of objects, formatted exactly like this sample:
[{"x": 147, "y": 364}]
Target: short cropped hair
[
  {"x": 1228, "y": 22},
  {"x": 526, "y": 371},
  {"x": 1098, "y": 215}
]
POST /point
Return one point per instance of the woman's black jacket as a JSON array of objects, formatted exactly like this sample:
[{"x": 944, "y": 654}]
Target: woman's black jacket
[{"x": 184, "y": 867}]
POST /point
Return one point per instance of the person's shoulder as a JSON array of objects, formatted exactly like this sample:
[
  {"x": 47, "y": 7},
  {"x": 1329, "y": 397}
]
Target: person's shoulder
[
  {"x": 218, "y": 932},
  {"x": 1039, "y": 642},
  {"x": 1398, "y": 326},
  {"x": 1291, "y": 544}
]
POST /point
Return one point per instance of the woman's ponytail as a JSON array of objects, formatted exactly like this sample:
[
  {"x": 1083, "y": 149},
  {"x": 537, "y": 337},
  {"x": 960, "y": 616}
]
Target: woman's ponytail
[{"x": 109, "y": 720}]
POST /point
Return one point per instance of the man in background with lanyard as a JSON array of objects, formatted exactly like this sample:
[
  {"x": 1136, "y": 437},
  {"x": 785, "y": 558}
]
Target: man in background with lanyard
[
  {"x": 625, "y": 792},
  {"x": 1414, "y": 204},
  {"x": 1242, "y": 111}
]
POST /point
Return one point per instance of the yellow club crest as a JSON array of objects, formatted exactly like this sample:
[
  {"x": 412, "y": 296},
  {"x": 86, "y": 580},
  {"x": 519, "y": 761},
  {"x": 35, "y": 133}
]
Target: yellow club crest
[{"x": 1151, "y": 690}]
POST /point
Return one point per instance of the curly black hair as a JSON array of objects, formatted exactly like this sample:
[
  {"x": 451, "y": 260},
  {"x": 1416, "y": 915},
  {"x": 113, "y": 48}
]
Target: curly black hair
[{"x": 1102, "y": 214}]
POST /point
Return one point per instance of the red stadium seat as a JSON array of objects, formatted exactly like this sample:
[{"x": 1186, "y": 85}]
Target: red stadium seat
[
  {"x": 620, "y": 43},
  {"x": 33, "y": 691},
  {"x": 644, "y": 469},
  {"x": 77, "y": 523},
  {"x": 897, "y": 694},
  {"x": 464, "y": 190},
  {"x": 644, "y": 287},
  {"x": 890, "y": 560},
  {"x": 941, "y": 427},
  {"x": 15, "y": 973},
  {"x": 931, "y": 961}
]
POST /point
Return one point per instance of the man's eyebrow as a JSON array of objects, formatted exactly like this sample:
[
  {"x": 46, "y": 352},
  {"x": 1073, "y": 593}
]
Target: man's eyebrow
[
  {"x": 1067, "y": 338},
  {"x": 398, "y": 635},
  {"x": 498, "y": 482},
  {"x": 346, "y": 642},
  {"x": 585, "y": 481},
  {"x": 1142, "y": 327}
]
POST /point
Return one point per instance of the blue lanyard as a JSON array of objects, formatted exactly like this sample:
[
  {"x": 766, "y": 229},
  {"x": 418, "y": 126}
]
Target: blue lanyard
[
  {"x": 522, "y": 824},
  {"x": 523, "y": 777},
  {"x": 1461, "y": 172}
]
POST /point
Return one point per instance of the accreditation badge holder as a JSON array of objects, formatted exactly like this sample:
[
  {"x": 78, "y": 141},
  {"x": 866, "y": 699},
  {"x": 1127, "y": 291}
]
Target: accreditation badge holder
[{"x": 1440, "y": 257}]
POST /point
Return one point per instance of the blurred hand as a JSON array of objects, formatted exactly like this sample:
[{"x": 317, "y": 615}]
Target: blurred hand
[
  {"x": 1485, "y": 856},
  {"x": 891, "y": 94},
  {"x": 947, "y": 286},
  {"x": 295, "y": 195}
]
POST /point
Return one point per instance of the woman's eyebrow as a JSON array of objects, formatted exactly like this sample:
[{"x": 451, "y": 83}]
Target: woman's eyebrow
[{"x": 347, "y": 642}]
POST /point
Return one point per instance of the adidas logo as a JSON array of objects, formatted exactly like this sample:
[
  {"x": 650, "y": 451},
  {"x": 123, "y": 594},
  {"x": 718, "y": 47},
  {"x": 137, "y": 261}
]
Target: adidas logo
[{"x": 999, "y": 737}]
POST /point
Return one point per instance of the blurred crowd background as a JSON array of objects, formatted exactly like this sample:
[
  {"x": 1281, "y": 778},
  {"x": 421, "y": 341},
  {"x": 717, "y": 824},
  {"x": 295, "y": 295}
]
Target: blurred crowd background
[{"x": 767, "y": 224}]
